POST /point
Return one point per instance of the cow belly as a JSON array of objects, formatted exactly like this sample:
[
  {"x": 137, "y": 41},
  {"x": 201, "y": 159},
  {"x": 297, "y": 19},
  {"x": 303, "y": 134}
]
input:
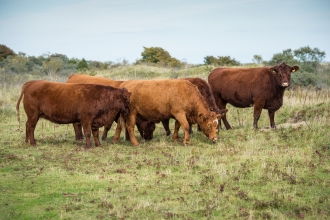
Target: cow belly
[
  {"x": 239, "y": 101},
  {"x": 59, "y": 115},
  {"x": 154, "y": 114},
  {"x": 60, "y": 118}
]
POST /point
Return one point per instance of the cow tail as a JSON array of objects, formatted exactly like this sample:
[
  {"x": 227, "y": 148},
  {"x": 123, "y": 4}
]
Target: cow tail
[{"x": 17, "y": 107}]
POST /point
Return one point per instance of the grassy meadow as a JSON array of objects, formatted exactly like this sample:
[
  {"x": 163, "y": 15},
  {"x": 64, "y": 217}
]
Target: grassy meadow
[{"x": 246, "y": 174}]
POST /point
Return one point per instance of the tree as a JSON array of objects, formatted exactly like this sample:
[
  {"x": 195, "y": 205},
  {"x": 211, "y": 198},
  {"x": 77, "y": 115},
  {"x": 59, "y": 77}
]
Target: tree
[
  {"x": 257, "y": 59},
  {"x": 52, "y": 66},
  {"x": 158, "y": 55},
  {"x": 307, "y": 54},
  {"x": 5, "y": 52},
  {"x": 286, "y": 56},
  {"x": 227, "y": 61},
  {"x": 221, "y": 61},
  {"x": 210, "y": 60},
  {"x": 309, "y": 58},
  {"x": 82, "y": 64}
]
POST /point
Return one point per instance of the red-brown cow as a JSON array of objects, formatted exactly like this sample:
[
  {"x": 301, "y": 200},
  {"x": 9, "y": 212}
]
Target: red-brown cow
[
  {"x": 158, "y": 100},
  {"x": 205, "y": 89},
  {"x": 145, "y": 127},
  {"x": 64, "y": 103},
  {"x": 245, "y": 87}
]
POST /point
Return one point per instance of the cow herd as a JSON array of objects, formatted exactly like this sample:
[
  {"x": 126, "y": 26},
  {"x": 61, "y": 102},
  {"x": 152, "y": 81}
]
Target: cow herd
[{"x": 91, "y": 102}]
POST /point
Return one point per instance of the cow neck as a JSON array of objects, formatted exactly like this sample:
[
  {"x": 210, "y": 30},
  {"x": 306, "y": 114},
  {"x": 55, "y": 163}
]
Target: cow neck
[
  {"x": 200, "y": 108},
  {"x": 279, "y": 91}
]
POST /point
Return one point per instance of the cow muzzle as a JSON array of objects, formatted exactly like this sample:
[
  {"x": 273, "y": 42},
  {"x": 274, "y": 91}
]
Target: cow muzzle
[{"x": 286, "y": 84}]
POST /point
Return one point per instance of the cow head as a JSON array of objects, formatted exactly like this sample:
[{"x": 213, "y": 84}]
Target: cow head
[
  {"x": 124, "y": 103},
  {"x": 146, "y": 129},
  {"x": 282, "y": 74},
  {"x": 209, "y": 124}
]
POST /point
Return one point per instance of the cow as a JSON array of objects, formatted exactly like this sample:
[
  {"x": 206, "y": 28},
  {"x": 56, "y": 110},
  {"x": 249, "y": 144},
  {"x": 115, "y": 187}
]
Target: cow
[
  {"x": 205, "y": 89},
  {"x": 261, "y": 87},
  {"x": 145, "y": 127},
  {"x": 158, "y": 100},
  {"x": 64, "y": 103}
]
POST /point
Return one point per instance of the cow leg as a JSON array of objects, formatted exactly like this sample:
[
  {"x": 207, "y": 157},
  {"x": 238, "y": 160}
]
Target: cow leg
[
  {"x": 271, "y": 115},
  {"x": 166, "y": 126},
  {"x": 95, "y": 132},
  {"x": 78, "y": 131},
  {"x": 190, "y": 129},
  {"x": 257, "y": 112},
  {"x": 222, "y": 105},
  {"x": 176, "y": 131},
  {"x": 30, "y": 127},
  {"x": 127, "y": 138},
  {"x": 130, "y": 124},
  {"x": 114, "y": 115},
  {"x": 116, "y": 136},
  {"x": 87, "y": 131},
  {"x": 185, "y": 125},
  {"x": 106, "y": 130}
]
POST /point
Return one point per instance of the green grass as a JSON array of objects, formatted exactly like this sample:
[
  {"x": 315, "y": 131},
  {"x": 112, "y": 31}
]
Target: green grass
[{"x": 247, "y": 174}]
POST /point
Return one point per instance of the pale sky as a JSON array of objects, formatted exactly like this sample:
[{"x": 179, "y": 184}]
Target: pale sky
[{"x": 188, "y": 29}]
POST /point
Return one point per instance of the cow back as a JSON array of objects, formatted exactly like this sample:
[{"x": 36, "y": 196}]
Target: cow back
[
  {"x": 81, "y": 78},
  {"x": 156, "y": 99}
]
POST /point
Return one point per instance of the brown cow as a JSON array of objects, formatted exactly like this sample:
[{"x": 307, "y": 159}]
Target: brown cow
[
  {"x": 205, "y": 89},
  {"x": 158, "y": 100},
  {"x": 145, "y": 127},
  {"x": 245, "y": 87},
  {"x": 64, "y": 103}
]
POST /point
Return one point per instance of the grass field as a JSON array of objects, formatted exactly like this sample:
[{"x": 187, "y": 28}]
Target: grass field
[{"x": 247, "y": 174}]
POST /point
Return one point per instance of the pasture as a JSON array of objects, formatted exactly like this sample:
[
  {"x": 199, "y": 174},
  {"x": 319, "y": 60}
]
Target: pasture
[{"x": 246, "y": 174}]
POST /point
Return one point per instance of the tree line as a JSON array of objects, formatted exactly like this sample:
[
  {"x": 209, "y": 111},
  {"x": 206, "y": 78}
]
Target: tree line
[{"x": 312, "y": 70}]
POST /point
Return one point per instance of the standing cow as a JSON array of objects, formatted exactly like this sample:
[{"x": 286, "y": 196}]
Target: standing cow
[
  {"x": 158, "y": 100},
  {"x": 205, "y": 90},
  {"x": 64, "y": 103},
  {"x": 145, "y": 127},
  {"x": 262, "y": 88}
]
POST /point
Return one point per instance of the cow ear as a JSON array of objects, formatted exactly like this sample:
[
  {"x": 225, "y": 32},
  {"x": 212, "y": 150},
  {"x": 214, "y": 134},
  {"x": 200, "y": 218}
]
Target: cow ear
[
  {"x": 224, "y": 111},
  {"x": 201, "y": 116},
  {"x": 294, "y": 69}
]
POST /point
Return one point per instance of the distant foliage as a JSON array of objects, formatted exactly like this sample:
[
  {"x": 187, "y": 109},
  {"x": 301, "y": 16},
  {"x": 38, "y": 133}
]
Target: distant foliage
[
  {"x": 5, "y": 52},
  {"x": 221, "y": 61},
  {"x": 157, "y": 55},
  {"x": 82, "y": 65},
  {"x": 257, "y": 59},
  {"x": 313, "y": 71}
]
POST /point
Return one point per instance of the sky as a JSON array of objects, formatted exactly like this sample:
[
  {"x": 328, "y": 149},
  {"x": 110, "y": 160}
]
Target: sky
[{"x": 113, "y": 30}]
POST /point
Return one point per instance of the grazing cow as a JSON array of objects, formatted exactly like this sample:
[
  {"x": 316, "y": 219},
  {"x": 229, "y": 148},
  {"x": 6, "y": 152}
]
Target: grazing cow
[
  {"x": 145, "y": 127},
  {"x": 245, "y": 87},
  {"x": 158, "y": 100},
  {"x": 205, "y": 89},
  {"x": 64, "y": 103}
]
